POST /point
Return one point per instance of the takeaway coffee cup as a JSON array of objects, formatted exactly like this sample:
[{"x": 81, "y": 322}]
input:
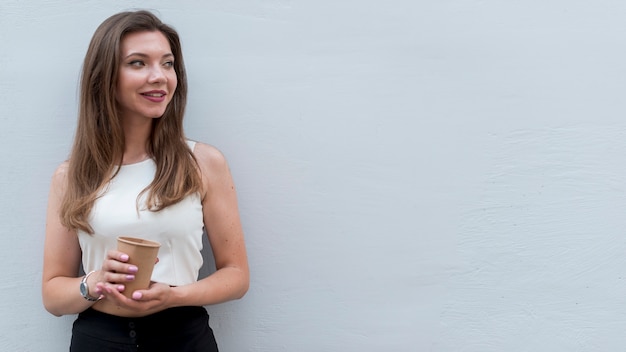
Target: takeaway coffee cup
[{"x": 143, "y": 254}]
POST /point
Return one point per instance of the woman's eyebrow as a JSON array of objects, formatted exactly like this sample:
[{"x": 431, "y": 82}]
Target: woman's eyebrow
[{"x": 146, "y": 55}]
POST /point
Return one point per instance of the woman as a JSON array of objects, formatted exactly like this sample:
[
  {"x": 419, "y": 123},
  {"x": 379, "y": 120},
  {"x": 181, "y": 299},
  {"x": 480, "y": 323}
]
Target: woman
[{"x": 131, "y": 172}]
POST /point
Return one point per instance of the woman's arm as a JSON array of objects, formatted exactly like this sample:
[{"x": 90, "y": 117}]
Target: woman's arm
[
  {"x": 62, "y": 255},
  {"x": 223, "y": 226}
]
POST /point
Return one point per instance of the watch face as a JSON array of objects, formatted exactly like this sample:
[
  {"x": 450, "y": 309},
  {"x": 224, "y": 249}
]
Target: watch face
[{"x": 83, "y": 289}]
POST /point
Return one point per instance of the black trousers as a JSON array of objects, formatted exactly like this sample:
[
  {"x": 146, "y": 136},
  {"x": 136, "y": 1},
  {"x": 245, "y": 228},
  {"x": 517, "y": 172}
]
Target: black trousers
[{"x": 175, "y": 329}]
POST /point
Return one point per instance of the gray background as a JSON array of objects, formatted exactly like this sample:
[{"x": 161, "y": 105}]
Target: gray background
[{"x": 413, "y": 175}]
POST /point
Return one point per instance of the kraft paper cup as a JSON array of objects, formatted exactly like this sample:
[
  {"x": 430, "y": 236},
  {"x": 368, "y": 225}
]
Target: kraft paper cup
[{"x": 143, "y": 254}]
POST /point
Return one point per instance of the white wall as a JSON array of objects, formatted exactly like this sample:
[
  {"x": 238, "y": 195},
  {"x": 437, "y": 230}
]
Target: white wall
[{"x": 413, "y": 175}]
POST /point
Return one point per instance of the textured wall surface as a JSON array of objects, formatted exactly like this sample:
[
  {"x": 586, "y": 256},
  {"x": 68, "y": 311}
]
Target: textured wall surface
[{"x": 413, "y": 175}]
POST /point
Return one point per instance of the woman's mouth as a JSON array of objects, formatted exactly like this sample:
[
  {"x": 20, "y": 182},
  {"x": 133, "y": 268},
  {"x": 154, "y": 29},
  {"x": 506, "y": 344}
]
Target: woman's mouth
[{"x": 154, "y": 96}]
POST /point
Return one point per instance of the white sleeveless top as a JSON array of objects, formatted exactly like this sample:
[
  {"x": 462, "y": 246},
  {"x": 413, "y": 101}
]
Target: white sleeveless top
[{"x": 179, "y": 227}]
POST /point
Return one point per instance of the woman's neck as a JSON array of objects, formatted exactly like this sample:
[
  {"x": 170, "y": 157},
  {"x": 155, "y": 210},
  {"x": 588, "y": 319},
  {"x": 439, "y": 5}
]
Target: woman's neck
[{"x": 136, "y": 142}]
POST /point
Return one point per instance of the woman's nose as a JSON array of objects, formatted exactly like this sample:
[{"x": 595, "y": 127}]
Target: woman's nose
[{"x": 157, "y": 75}]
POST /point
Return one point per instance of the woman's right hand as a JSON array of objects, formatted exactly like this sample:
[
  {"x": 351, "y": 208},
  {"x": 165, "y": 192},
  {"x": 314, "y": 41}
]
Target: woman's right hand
[{"x": 115, "y": 273}]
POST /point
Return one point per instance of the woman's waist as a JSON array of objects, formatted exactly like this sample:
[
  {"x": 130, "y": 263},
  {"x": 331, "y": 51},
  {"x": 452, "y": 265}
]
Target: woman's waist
[{"x": 106, "y": 311}]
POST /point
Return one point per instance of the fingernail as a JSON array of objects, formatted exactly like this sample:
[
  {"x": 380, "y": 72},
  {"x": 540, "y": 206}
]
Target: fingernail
[
  {"x": 136, "y": 295},
  {"x": 132, "y": 269},
  {"x": 124, "y": 257},
  {"x": 130, "y": 277},
  {"x": 120, "y": 288}
]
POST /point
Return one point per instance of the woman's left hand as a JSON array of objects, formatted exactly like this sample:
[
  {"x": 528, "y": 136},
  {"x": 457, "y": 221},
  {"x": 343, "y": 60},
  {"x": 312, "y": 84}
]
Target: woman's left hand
[{"x": 152, "y": 300}]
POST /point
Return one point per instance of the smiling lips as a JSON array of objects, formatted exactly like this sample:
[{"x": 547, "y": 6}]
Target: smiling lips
[{"x": 155, "y": 96}]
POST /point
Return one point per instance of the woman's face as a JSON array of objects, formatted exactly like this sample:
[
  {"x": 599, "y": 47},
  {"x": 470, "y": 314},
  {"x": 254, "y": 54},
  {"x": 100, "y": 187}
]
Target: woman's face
[{"x": 146, "y": 77}]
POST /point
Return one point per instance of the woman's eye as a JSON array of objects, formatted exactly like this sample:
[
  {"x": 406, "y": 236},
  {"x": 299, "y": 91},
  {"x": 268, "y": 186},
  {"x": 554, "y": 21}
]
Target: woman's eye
[
  {"x": 136, "y": 63},
  {"x": 169, "y": 64}
]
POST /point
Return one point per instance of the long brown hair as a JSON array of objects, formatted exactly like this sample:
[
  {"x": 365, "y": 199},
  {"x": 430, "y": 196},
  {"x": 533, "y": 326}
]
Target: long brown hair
[{"x": 99, "y": 141}]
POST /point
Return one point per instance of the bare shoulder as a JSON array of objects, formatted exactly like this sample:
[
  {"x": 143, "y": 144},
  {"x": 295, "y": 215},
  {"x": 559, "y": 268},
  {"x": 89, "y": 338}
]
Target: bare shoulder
[
  {"x": 214, "y": 169},
  {"x": 59, "y": 181},
  {"x": 59, "y": 178},
  {"x": 209, "y": 157}
]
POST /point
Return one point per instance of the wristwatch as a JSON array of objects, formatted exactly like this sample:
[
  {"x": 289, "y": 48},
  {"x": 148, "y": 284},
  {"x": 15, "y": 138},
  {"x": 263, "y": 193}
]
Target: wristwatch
[{"x": 84, "y": 289}]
